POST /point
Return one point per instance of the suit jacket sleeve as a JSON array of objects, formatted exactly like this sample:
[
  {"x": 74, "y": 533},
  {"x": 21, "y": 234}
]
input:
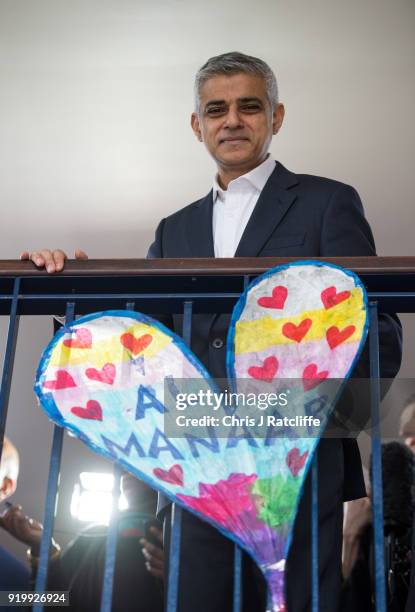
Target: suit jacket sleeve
[{"x": 346, "y": 232}]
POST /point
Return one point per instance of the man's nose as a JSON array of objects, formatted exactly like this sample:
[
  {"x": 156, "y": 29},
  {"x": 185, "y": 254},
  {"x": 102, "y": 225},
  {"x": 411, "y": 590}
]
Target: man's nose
[{"x": 233, "y": 119}]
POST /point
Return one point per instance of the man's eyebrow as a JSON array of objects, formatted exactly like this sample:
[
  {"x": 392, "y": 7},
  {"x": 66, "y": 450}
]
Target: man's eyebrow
[{"x": 214, "y": 103}]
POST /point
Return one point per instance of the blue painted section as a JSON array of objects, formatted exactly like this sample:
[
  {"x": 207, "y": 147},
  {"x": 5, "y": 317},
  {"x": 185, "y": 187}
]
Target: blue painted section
[
  {"x": 377, "y": 487},
  {"x": 51, "y": 493}
]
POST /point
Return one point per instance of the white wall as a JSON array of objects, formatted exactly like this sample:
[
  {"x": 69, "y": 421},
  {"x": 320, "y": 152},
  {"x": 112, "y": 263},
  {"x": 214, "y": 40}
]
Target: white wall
[{"x": 95, "y": 143}]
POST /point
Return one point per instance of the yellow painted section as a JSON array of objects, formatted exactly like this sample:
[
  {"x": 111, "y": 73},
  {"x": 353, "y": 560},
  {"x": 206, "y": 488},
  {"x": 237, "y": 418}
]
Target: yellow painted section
[
  {"x": 108, "y": 350},
  {"x": 255, "y": 336}
]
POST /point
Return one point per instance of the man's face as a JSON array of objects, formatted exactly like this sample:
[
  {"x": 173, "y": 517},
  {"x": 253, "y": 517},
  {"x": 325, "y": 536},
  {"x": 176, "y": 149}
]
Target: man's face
[{"x": 236, "y": 121}]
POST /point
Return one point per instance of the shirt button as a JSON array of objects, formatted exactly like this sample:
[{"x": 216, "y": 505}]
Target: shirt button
[{"x": 217, "y": 343}]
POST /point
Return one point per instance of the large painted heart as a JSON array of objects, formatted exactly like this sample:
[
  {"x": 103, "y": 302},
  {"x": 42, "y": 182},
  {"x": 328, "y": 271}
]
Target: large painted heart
[{"x": 243, "y": 481}]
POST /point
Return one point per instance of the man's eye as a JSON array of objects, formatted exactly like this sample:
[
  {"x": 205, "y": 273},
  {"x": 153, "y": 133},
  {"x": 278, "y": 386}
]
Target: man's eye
[
  {"x": 216, "y": 110},
  {"x": 251, "y": 108}
]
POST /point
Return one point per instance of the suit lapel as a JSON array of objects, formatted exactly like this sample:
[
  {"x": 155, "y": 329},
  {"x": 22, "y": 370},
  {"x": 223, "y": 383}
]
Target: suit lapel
[
  {"x": 199, "y": 229},
  {"x": 272, "y": 205}
]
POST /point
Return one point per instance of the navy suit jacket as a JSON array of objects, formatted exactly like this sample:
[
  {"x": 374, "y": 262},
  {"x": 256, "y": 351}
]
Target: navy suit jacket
[{"x": 296, "y": 215}]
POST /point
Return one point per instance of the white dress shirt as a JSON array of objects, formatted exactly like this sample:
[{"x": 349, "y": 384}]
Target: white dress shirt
[{"x": 233, "y": 207}]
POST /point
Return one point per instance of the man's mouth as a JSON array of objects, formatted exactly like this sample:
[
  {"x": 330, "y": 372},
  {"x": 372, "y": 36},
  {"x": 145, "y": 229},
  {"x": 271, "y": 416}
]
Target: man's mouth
[{"x": 234, "y": 139}]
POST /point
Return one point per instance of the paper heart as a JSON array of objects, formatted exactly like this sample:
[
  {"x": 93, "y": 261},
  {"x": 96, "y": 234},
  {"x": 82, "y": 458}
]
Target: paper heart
[
  {"x": 331, "y": 298},
  {"x": 236, "y": 481},
  {"x": 279, "y": 296},
  {"x": 296, "y": 332},
  {"x": 105, "y": 375},
  {"x": 335, "y": 336},
  {"x": 63, "y": 380},
  {"x": 174, "y": 475},
  {"x": 295, "y": 461},
  {"x": 312, "y": 377},
  {"x": 82, "y": 340},
  {"x": 267, "y": 371},
  {"x": 136, "y": 345},
  {"x": 93, "y": 411}
]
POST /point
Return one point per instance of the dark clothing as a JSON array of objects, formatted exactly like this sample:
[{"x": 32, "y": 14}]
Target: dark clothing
[
  {"x": 14, "y": 575},
  {"x": 303, "y": 216},
  {"x": 80, "y": 571}
]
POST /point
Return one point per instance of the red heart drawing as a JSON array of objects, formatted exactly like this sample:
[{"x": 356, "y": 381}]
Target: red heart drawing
[
  {"x": 63, "y": 381},
  {"x": 174, "y": 475},
  {"x": 296, "y": 332},
  {"x": 335, "y": 336},
  {"x": 295, "y": 461},
  {"x": 92, "y": 411},
  {"x": 331, "y": 298},
  {"x": 267, "y": 371},
  {"x": 279, "y": 295},
  {"x": 82, "y": 340},
  {"x": 311, "y": 377},
  {"x": 136, "y": 345},
  {"x": 105, "y": 375}
]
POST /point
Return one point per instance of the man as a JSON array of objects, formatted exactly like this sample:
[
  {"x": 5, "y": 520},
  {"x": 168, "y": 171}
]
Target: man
[
  {"x": 259, "y": 208},
  {"x": 14, "y": 576}
]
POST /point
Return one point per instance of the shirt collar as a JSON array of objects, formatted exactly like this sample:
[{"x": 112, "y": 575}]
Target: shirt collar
[{"x": 256, "y": 177}]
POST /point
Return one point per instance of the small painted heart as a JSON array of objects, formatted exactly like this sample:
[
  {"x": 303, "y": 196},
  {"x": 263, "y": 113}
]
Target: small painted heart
[
  {"x": 267, "y": 371},
  {"x": 312, "y": 377},
  {"x": 63, "y": 381},
  {"x": 105, "y": 375},
  {"x": 331, "y": 298},
  {"x": 136, "y": 345},
  {"x": 295, "y": 461},
  {"x": 279, "y": 295},
  {"x": 82, "y": 340},
  {"x": 93, "y": 411},
  {"x": 173, "y": 476},
  {"x": 296, "y": 332},
  {"x": 335, "y": 336}
]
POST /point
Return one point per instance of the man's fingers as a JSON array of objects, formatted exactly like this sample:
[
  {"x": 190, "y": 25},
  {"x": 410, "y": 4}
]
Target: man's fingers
[
  {"x": 59, "y": 257},
  {"x": 152, "y": 550},
  {"x": 80, "y": 254},
  {"x": 24, "y": 255},
  {"x": 158, "y": 533}
]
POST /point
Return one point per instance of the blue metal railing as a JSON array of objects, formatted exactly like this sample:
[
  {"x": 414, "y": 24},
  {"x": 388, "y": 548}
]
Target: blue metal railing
[{"x": 196, "y": 291}]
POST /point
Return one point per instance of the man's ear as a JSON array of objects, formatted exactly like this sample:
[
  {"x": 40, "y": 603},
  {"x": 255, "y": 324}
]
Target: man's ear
[
  {"x": 8, "y": 487},
  {"x": 194, "y": 122},
  {"x": 277, "y": 118}
]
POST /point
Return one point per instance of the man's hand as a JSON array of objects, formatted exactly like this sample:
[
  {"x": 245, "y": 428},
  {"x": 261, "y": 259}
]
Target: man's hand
[
  {"x": 52, "y": 261},
  {"x": 22, "y": 527},
  {"x": 153, "y": 554}
]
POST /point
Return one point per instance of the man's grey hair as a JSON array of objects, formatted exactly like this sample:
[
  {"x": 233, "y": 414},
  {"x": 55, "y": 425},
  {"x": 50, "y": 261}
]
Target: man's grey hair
[{"x": 234, "y": 63}]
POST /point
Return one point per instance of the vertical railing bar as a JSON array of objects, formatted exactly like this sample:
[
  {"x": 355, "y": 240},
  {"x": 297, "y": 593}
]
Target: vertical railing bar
[
  {"x": 51, "y": 494},
  {"x": 111, "y": 546},
  {"x": 176, "y": 512},
  {"x": 237, "y": 577},
  {"x": 377, "y": 487},
  {"x": 112, "y": 534},
  {"x": 314, "y": 535},
  {"x": 7, "y": 375}
]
